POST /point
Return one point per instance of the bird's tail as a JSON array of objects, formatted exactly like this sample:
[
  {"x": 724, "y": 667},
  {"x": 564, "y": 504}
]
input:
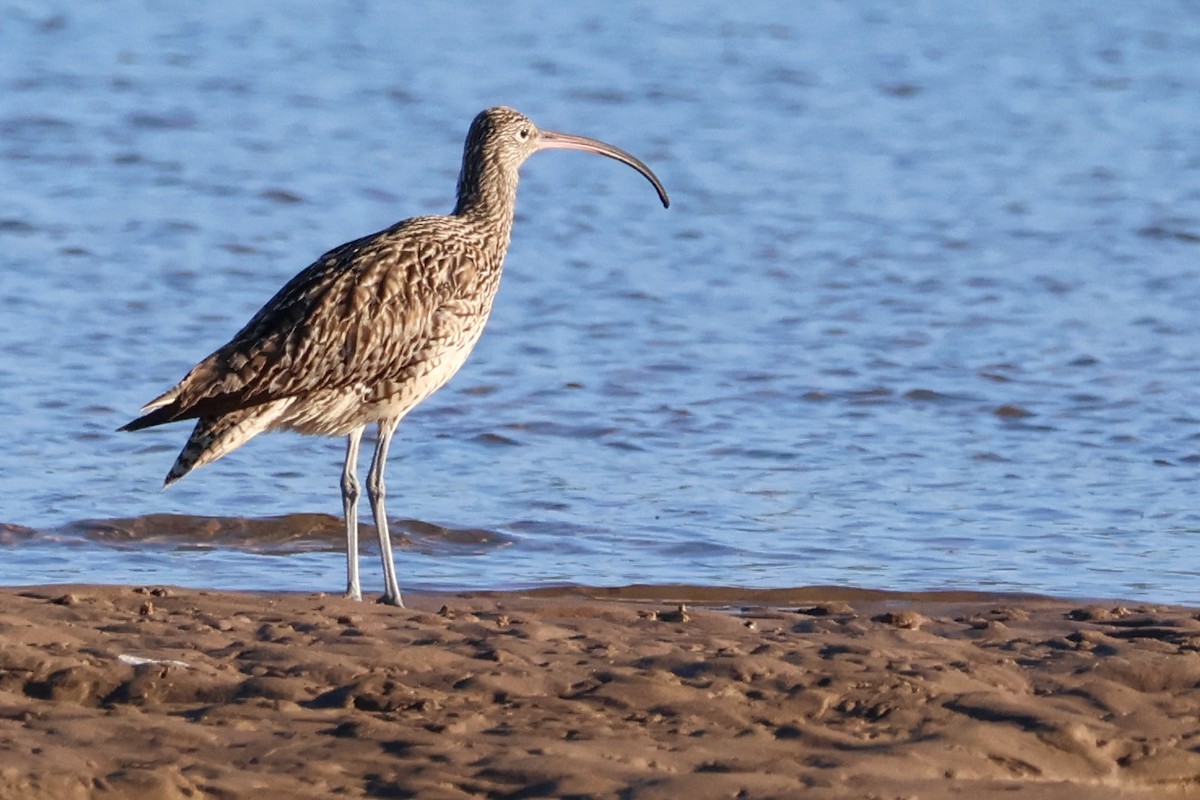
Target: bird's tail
[{"x": 213, "y": 437}]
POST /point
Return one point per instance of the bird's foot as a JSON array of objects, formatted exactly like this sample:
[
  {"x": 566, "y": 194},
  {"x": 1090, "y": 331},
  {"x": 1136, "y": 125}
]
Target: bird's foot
[
  {"x": 389, "y": 600},
  {"x": 353, "y": 594}
]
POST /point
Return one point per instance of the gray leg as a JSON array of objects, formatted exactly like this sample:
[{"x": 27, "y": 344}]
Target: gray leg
[
  {"x": 376, "y": 492},
  {"x": 350, "y": 493}
]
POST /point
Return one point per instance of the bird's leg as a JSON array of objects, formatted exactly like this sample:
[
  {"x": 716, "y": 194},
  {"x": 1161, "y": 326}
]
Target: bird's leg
[
  {"x": 350, "y": 492},
  {"x": 376, "y": 492}
]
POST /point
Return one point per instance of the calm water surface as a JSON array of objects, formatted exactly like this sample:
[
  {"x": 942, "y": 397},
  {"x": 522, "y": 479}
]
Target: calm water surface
[{"x": 923, "y": 313}]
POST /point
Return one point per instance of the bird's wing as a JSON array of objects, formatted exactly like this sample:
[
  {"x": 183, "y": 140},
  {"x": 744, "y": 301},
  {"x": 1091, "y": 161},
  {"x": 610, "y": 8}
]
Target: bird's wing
[{"x": 360, "y": 313}]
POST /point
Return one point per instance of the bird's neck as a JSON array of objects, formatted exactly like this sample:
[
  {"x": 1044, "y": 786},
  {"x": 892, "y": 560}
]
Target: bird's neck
[{"x": 487, "y": 192}]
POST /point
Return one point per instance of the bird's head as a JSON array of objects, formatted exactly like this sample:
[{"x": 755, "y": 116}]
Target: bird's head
[{"x": 502, "y": 138}]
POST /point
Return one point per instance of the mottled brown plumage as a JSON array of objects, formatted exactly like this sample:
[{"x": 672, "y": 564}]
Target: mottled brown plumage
[{"x": 370, "y": 329}]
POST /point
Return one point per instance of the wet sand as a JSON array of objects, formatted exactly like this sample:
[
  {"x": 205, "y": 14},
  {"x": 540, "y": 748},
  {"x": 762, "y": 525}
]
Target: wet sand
[{"x": 821, "y": 693}]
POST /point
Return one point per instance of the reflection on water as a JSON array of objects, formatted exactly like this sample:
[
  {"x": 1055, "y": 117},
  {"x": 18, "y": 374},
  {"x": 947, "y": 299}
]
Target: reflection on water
[{"x": 922, "y": 314}]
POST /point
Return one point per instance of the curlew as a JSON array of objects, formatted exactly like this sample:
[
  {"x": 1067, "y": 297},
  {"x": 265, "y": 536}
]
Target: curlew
[{"x": 370, "y": 329}]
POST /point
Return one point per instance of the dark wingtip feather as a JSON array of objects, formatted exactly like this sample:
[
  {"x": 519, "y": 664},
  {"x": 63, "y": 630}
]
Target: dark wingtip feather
[
  {"x": 159, "y": 416},
  {"x": 135, "y": 425}
]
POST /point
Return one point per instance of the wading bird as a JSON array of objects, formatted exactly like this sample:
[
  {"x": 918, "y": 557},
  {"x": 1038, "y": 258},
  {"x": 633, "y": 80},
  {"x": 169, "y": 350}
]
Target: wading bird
[{"x": 370, "y": 329}]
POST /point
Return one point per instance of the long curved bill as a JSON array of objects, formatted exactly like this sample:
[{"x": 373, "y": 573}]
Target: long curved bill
[{"x": 552, "y": 140}]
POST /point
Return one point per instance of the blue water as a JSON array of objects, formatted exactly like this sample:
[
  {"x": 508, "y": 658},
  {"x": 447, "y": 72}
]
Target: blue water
[{"x": 923, "y": 313}]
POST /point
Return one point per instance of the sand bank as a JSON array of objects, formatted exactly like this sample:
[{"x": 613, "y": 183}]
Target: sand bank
[{"x": 822, "y": 693}]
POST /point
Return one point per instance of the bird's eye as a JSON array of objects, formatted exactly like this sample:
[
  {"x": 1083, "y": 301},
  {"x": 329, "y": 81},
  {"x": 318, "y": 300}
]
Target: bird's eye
[{"x": 523, "y": 133}]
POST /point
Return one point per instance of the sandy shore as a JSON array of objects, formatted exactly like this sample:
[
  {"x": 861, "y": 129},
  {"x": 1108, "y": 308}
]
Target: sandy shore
[{"x": 172, "y": 693}]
